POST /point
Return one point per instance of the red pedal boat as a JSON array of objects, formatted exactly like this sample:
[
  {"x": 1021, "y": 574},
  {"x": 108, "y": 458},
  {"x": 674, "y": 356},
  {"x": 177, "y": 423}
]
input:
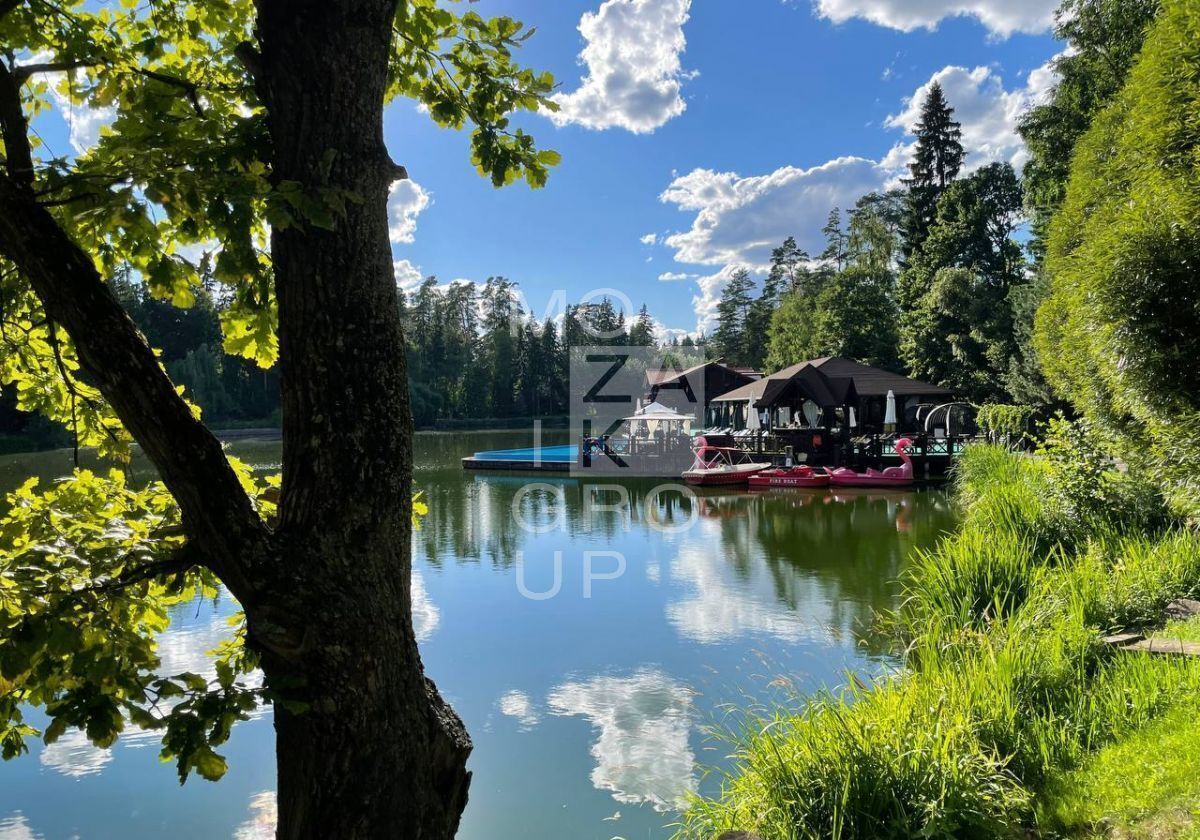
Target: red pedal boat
[
  {"x": 798, "y": 476},
  {"x": 891, "y": 477},
  {"x": 715, "y": 465}
]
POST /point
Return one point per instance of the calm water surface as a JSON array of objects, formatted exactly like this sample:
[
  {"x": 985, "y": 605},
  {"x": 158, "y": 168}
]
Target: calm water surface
[{"x": 590, "y": 697}]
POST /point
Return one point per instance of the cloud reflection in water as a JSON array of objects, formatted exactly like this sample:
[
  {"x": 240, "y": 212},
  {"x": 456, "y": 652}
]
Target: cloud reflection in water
[{"x": 642, "y": 751}]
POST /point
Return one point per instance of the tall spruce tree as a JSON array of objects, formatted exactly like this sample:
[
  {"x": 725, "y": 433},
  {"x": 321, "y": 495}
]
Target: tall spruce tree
[
  {"x": 937, "y": 159},
  {"x": 729, "y": 338},
  {"x": 641, "y": 334}
]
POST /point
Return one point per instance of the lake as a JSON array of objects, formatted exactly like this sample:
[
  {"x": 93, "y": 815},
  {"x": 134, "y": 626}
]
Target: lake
[{"x": 592, "y": 638}]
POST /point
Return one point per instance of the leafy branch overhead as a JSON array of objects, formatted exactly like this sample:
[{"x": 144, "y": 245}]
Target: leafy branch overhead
[
  {"x": 177, "y": 194},
  {"x": 183, "y": 167}
]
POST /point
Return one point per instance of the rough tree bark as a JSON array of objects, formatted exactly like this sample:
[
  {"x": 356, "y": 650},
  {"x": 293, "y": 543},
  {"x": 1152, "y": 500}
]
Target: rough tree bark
[
  {"x": 366, "y": 747},
  {"x": 377, "y": 753}
]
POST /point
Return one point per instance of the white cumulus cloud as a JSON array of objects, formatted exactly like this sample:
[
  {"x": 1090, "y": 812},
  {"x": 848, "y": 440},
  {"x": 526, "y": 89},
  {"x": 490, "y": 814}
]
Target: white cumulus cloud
[
  {"x": 406, "y": 201},
  {"x": 634, "y": 74},
  {"x": 737, "y": 220},
  {"x": 1001, "y": 17},
  {"x": 705, "y": 303},
  {"x": 741, "y": 219},
  {"x": 671, "y": 276},
  {"x": 649, "y": 239},
  {"x": 408, "y": 276},
  {"x": 989, "y": 114}
]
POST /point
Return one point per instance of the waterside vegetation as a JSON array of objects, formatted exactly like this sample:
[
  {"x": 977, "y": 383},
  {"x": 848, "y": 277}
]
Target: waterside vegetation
[{"x": 1006, "y": 682}]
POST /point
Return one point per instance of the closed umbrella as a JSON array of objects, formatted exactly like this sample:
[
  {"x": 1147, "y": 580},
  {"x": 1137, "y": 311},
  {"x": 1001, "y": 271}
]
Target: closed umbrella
[
  {"x": 889, "y": 416},
  {"x": 752, "y": 420},
  {"x": 812, "y": 413}
]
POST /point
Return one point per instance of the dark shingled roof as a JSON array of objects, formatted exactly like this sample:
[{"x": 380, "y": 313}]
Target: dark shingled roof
[{"x": 868, "y": 381}]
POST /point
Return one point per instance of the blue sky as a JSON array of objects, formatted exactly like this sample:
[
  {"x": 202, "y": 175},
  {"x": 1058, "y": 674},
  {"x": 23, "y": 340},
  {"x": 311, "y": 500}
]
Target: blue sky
[
  {"x": 717, "y": 126},
  {"x": 698, "y": 134}
]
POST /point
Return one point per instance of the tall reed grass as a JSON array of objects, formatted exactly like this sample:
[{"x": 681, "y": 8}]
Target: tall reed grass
[{"x": 1005, "y": 680}]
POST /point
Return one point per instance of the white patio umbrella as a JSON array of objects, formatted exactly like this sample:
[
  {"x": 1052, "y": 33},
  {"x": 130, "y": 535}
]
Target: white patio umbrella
[
  {"x": 853, "y": 419},
  {"x": 889, "y": 416}
]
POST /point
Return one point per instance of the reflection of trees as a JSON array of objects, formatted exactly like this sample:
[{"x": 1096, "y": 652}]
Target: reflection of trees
[
  {"x": 843, "y": 549},
  {"x": 851, "y": 546}
]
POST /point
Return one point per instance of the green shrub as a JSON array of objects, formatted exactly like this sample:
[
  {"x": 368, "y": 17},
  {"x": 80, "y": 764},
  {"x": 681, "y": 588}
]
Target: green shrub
[{"x": 1010, "y": 423}]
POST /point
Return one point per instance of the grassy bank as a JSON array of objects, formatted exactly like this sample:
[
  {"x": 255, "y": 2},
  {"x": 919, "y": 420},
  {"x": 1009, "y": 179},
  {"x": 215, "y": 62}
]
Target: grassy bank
[{"x": 1007, "y": 686}]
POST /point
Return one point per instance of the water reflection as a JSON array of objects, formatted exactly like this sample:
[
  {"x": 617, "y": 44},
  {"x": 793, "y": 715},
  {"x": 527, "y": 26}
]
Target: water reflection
[
  {"x": 642, "y": 750},
  {"x": 728, "y": 593},
  {"x": 517, "y": 704},
  {"x": 264, "y": 814},
  {"x": 73, "y": 755},
  {"x": 424, "y": 612},
  {"x": 16, "y": 827}
]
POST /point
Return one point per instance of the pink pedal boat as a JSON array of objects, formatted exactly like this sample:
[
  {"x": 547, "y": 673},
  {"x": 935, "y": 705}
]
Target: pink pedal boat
[{"x": 891, "y": 477}]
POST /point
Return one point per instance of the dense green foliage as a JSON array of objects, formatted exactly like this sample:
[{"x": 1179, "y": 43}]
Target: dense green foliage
[
  {"x": 1010, "y": 423},
  {"x": 1117, "y": 334},
  {"x": 957, "y": 324},
  {"x": 106, "y": 555},
  {"x": 1006, "y": 681},
  {"x": 1103, "y": 38},
  {"x": 845, "y": 306},
  {"x": 474, "y": 353},
  {"x": 1142, "y": 788}
]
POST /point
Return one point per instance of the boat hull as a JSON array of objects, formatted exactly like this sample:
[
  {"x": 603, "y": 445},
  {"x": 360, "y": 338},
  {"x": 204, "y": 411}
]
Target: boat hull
[
  {"x": 739, "y": 474},
  {"x": 853, "y": 479},
  {"x": 788, "y": 478}
]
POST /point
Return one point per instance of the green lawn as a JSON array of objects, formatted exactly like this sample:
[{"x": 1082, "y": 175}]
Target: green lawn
[{"x": 1145, "y": 787}]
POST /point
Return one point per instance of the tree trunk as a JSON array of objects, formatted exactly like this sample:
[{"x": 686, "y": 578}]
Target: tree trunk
[{"x": 366, "y": 747}]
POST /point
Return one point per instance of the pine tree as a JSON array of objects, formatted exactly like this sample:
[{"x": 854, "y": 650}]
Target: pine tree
[
  {"x": 788, "y": 273},
  {"x": 730, "y": 338},
  {"x": 641, "y": 334},
  {"x": 937, "y": 159},
  {"x": 835, "y": 240}
]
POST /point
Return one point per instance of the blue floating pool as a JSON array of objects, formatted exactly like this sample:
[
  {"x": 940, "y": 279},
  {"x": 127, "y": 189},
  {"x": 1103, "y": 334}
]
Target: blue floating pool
[{"x": 546, "y": 454}]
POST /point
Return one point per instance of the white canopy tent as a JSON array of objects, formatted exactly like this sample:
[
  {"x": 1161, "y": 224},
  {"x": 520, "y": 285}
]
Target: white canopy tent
[{"x": 654, "y": 413}]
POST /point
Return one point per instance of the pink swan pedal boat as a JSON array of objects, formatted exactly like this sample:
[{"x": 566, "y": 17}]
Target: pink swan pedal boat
[
  {"x": 798, "y": 476},
  {"x": 901, "y": 476}
]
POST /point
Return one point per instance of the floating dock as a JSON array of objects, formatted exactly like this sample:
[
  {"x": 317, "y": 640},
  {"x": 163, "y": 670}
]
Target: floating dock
[{"x": 557, "y": 459}]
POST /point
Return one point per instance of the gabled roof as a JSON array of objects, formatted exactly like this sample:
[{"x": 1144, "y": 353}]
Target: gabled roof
[
  {"x": 658, "y": 377},
  {"x": 868, "y": 381},
  {"x": 664, "y": 374}
]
